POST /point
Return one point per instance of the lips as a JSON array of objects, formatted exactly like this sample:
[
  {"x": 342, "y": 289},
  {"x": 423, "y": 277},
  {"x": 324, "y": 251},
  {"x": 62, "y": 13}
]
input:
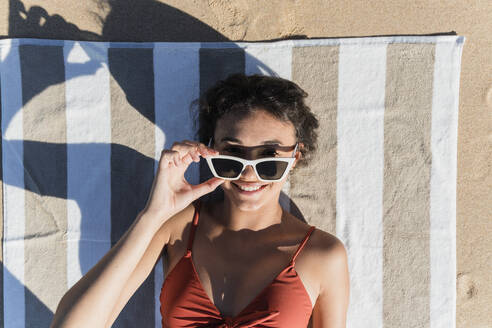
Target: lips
[{"x": 250, "y": 185}]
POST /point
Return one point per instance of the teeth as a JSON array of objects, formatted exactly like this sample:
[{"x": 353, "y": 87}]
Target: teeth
[{"x": 248, "y": 188}]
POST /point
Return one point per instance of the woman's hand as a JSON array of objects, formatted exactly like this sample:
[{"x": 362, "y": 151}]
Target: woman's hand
[{"x": 170, "y": 192}]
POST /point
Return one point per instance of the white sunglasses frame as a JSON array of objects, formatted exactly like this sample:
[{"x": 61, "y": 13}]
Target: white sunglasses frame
[{"x": 246, "y": 162}]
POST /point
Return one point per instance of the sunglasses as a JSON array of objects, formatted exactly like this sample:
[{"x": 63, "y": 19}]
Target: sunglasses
[{"x": 267, "y": 169}]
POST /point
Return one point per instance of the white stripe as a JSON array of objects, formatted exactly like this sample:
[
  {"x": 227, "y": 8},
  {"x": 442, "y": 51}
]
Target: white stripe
[
  {"x": 88, "y": 156},
  {"x": 176, "y": 85},
  {"x": 443, "y": 184},
  {"x": 13, "y": 188},
  {"x": 360, "y": 156},
  {"x": 269, "y": 61}
]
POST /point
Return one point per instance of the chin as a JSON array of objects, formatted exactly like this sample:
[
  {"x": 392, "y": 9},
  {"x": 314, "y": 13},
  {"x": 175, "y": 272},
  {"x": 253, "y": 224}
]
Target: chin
[
  {"x": 245, "y": 203},
  {"x": 248, "y": 206}
]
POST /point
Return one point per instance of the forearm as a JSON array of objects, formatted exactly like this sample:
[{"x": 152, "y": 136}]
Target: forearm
[{"x": 90, "y": 301}]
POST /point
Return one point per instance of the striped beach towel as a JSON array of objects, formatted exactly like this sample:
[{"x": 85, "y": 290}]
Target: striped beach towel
[{"x": 83, "y": 125}]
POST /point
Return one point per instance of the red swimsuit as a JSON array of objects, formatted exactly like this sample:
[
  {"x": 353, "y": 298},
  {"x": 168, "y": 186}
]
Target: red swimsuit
[{"x": 283, "y": 303}]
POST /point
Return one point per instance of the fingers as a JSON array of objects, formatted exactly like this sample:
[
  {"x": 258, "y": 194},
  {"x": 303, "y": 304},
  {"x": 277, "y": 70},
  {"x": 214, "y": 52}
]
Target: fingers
[
  {"x": 185, "y": 152},
  {"x": 206, "y": 187},
  {"x": 169, "y": 158},
  {"x": 195, "y": 145},
  {"x": 188, "y": 158},
  {"x": 196, "y": 149}
]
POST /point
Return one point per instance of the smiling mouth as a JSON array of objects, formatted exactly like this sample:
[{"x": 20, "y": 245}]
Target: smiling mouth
[{"x": 247, "y": 192}]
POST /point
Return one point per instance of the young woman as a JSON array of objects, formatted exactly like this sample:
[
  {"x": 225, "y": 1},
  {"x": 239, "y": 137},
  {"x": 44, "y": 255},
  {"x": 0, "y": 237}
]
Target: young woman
[{"x": 236, "y": 259}]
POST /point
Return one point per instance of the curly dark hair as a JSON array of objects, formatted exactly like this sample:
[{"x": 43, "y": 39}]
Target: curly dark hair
[{"x": 243, "y": 94}]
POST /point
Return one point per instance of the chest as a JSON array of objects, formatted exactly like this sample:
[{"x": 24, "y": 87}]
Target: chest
[{"x": 233, "y": 275}]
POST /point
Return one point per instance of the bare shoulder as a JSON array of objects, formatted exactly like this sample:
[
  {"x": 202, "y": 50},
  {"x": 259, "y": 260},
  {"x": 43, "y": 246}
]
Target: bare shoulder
[
  {"x": 328, "y": 246},
  {"x": 176, "y": 224},
  {"x": 322, "y": 246},
  {"x": 324, "y": 252},
  {"x": 333, "y": 280},
  {"x": 328, "y": 256}
]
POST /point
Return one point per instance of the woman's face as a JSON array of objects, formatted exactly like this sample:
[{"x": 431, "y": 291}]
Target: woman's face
[{"x": 257, "y": 135}]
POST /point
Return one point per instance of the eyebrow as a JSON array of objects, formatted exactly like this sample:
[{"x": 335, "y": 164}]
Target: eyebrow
[{"x": 268, "y": 142}]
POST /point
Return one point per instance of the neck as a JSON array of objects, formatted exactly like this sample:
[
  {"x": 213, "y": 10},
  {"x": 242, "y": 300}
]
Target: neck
[{"x": 234, "y": 218}]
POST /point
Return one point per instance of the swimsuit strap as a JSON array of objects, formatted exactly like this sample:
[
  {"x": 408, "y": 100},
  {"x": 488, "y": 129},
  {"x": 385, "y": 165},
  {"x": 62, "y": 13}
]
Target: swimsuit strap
[
  {"x": 194, "y": 224},
  {"x": 303, "y": 242}
]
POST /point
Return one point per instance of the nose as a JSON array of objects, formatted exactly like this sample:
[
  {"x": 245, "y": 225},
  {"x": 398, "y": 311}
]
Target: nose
[{"x": 249, "y": 173}]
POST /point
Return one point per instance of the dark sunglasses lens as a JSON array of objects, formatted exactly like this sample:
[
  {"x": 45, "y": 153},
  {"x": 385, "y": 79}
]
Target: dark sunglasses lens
[
  {"x": 227, "y": 168},
  {"x": 268, "y": 170},
  {"x": 271, "y": 170}
]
